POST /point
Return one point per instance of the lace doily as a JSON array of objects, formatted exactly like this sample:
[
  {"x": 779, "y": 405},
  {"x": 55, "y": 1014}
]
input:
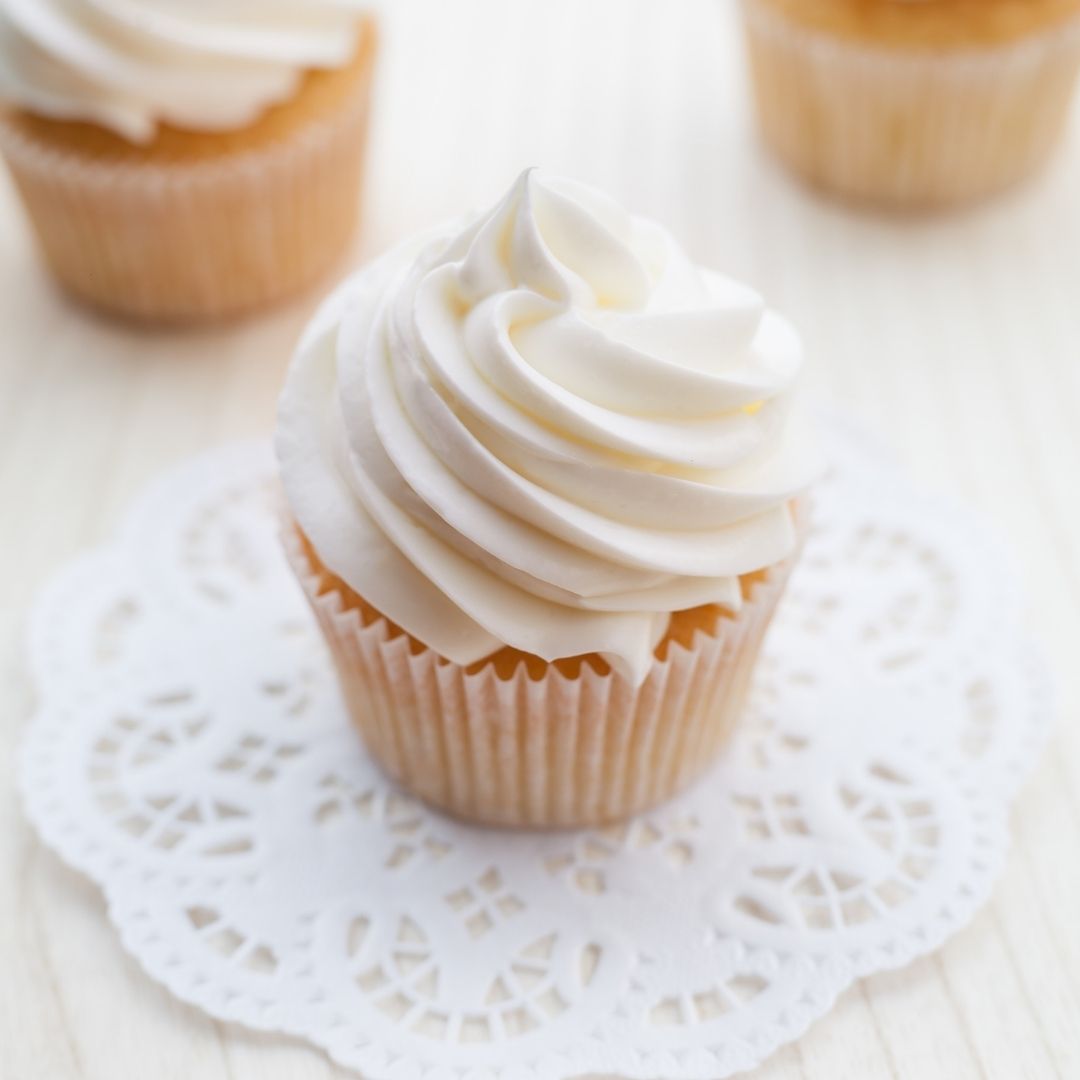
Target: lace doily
[{"x": 190, "y": 755}]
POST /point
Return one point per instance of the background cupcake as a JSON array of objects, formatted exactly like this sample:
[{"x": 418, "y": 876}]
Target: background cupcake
[
  {"x": 913, "y": 102},
  {"x": 183, "y": 161},
  {"x": 542, "y": 476}
]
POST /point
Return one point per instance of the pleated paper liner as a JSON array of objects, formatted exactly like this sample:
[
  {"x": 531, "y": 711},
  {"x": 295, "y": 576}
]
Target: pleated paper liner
[
  {"x": 517, "y": 742},
  {"x": 199, "y": 226},
  {"x": 909, "y": 127}
]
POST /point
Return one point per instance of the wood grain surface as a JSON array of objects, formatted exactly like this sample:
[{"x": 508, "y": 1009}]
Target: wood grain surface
[{"x": 957, "y": 338}]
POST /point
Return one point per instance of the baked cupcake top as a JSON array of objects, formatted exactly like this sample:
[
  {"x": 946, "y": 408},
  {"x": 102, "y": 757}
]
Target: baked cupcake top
[
  {"x": 544, "y": 428},
  {"x": 928, "y": 23},
  {"x": 130, "y": 65}
]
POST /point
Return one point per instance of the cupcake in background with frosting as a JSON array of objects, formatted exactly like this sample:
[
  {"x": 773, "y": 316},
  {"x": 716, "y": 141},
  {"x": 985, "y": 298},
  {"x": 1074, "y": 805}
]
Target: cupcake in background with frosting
[
  {"x": 913, "y": 103},
  {"x": 546, "y": 480},
  {"x": 183, "y": 161}
]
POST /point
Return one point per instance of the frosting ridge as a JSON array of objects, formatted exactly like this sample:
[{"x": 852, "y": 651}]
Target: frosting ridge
[
  {"x": 129, "y": 65},
  {"x": 547, "y": 429}
]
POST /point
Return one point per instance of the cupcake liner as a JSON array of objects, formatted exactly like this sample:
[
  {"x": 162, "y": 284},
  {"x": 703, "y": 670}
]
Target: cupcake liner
[
  {"x": 196, "y": 240},
  {"x": 903, "y": 126},
  {"x": 561, "y": 750}
]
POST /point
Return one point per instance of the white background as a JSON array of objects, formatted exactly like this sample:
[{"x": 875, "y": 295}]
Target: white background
[{"x": 957, "y": 338}]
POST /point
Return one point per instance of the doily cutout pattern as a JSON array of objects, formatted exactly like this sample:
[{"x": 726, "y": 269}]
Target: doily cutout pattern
[{"x": 190, "y": 754}]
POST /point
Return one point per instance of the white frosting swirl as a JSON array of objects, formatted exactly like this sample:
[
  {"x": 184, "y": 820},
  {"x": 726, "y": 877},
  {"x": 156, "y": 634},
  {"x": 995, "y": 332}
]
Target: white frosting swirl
[
  {"x": 208, "y": 65},
  {"x": 547, "y": 430}
]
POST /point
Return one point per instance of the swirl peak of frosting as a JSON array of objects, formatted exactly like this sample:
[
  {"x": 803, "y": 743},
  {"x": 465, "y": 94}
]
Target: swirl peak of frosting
[
  {"x": 129, "y": 65},
  {"x": 545, "y": 428}
]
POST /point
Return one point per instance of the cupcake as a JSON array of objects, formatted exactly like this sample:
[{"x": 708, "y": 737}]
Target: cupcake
[
  {"x": 184, "y": 161},
  {"x": 545, "y": 486},
  {"x": 918, "y": 103}
]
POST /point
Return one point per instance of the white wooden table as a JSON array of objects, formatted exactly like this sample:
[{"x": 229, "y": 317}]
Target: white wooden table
[{"x": 957, "y": 338}]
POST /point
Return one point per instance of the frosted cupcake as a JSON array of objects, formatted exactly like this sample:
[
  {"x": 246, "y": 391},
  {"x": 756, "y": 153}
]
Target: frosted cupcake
[
  {"x": 913, "y": 102},
  {"x": 544, "y": 485},
  {"x": 183, "y": 161}
]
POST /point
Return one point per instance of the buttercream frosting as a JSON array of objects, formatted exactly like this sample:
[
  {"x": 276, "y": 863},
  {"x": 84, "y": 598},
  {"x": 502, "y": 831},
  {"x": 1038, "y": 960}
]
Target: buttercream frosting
[
  {"x": 545, "y": 428},
  {"x": 128, "y": 65}
]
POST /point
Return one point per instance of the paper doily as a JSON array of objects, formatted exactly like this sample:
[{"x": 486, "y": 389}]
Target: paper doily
[{"x": 190, "y": 754}]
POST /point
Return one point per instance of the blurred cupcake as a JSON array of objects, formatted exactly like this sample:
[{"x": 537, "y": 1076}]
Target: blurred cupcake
[
  {"x": 913, "y": 102},
  {"x": 184, "y": 161},
  {"x": 544, "y": 486}
]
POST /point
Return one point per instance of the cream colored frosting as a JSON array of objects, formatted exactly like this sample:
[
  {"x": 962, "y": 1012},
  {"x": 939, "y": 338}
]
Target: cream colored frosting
[
  {"x": 546, "y": 428},
  {"x": 208, "y": 65}
]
